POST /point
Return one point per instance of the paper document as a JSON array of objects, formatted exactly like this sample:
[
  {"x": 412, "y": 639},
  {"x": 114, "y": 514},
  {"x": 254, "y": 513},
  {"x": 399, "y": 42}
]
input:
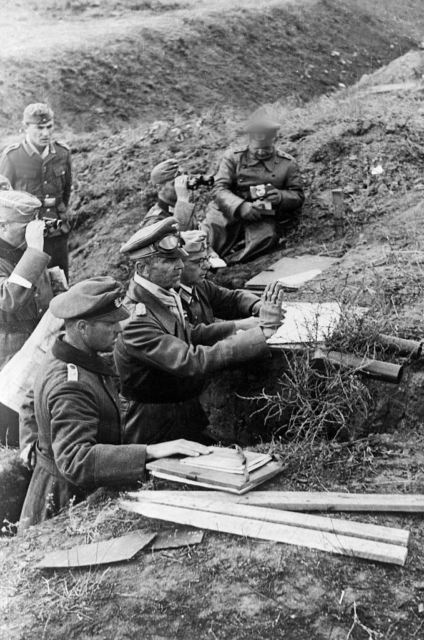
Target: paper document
[{"x": 307, "y": 323}]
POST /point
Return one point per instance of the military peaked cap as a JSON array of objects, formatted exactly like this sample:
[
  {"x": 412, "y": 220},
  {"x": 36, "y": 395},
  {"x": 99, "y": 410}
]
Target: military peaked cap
[
  {"x": 17, "y": 206},
  {"x": 38, "y": 113},
  {"x": 162, "y": 238},
  {"x": 96, "y": 298},
  {"x": 261, "y": 125},
  {"x": 165, "y": 171}
]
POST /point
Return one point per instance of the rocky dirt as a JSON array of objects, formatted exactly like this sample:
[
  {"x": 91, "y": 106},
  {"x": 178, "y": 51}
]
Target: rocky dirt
[{"x": 136, "y": 82}]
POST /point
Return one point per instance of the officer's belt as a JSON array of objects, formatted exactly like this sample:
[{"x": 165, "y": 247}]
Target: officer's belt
[
  {"x": 48, "y": 203},
  {"x": 46, "y": 463}
]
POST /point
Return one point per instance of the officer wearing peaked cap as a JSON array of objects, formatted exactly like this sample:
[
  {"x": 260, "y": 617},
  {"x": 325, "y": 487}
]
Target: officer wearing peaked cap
[
  {"x": 174, "y": 198},
  {"x": 243, "y": 222},
  {"x": 203, "y": 300},
  {"x": 77, "y": 407},
  {"x": 42, "y": 167},
  {"x": 162, "y": 360},
  {"x": 25, "y": 285}
]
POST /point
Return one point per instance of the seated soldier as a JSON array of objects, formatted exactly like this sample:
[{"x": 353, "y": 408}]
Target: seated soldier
[
  {"x": 258, "y": 189},
  {"x": 25, "y": 285},
  {"x": 203, "y": 300},
  {"x": 162, "y": 361},
  {"x": 77, "y": 408},
  {"x": 173, "y": 197}
]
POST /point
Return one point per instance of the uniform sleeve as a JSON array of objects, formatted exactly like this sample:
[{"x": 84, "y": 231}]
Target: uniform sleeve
[
  {"x": 184, "y": 213},
  {"x": 225, "y": 182},
  {"x": 6, "y": 168},
  {"x": 68, "y": 181},
  {"x": 78, "y": 456},
  {"x": 228, "y": 304},
  {"x": 293, "y": 196},
  {"x": 145, "y": 341},
  {"x": 18, "y": 289}
]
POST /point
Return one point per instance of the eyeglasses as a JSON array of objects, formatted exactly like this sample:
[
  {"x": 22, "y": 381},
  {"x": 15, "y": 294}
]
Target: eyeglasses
[
  {"x": 201, "y": 262},
  {"x": 168, "y": 244}
]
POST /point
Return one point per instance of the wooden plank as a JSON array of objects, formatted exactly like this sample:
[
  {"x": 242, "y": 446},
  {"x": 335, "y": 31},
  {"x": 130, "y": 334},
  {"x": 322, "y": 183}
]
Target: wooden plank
[
  {"x": 321, "y": 523},
  {"x": 105, "y": 552},
  {"x": 319, "y": 501},
  {"x": 310, "y": 538},
  {"x": 338, "y": 212},
  {"x": 172, "y": 469},
  {"x": 288, "y": 267},
  {"x": 181, "y": 537}
]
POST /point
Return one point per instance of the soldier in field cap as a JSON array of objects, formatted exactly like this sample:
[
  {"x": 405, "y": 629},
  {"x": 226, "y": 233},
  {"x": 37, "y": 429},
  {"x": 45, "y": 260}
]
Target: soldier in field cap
[
  {"x": 42, "y": 166},
  {"x": 202, "y": 299},
  {"x": 258, "y": 190},
  {"x": 25, "y": 285},
  {"x": 77, "y": 407},
  {"x": 174, "y": 198},
  {"x": 162, "y": 360}
]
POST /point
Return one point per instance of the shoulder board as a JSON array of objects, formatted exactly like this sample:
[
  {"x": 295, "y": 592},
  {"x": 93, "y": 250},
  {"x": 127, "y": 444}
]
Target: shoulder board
[
  {"x": 11, "y": 147},
  {"x": 62, "y": 144},
  {"x": 72, "y": 373},
  {"x": 140, "y": 309},
  {"x": 283, "y": 154},
  {"x": 240, "y": 149}
]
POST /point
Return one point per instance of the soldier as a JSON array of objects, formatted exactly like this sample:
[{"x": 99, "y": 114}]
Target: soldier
[
  {"x": 244, "y": 221},
  {"x": 77, "y": 407},
  {"x": 173, "y": 197},
  {"x": 203, "y": 300},
  {"x": 25, "y": 285},
  {"x": 162, "y": 361},
  {"x": 42, "y": 167}
]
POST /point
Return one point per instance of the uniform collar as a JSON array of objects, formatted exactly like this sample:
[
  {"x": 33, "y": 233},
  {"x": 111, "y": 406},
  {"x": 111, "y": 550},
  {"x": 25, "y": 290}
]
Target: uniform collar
[
  {"x": 71, "y": 355},
  {"x": 251, "y": 161},
  {"x": 32, "y": 150},
  {"x": 165, "y": 206}
]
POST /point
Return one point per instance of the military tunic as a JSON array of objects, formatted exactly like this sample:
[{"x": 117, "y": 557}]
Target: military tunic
[
  {"x": 163, "y": 366},
  {"x": 80, "y": 439},
  {"x": 233, "y": 238},
  {"x": 48, "y": 178},
  {"x": 207, "y": 301},
  {"x": 182, "y": 211}
]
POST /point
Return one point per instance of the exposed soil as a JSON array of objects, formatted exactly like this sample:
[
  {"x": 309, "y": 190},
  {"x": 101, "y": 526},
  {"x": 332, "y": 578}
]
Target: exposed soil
[{"x": 135, "y": 83}]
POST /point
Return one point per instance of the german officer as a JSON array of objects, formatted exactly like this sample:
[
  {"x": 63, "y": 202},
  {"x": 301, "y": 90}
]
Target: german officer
[
  {"x": 42, "y": 167},
  {"x": 77, "y": 407},
  {"x": 25, "y": 285},
  {"x": 173, "y": 197},
  {"x": 162, "y": 361},
  {"x": 244, "y": 221},
  {"x": 203, "y": 300}
]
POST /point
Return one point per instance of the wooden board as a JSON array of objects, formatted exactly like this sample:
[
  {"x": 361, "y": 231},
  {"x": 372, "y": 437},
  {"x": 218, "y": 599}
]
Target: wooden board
[
  {"x": 181, "y": 537},
  {"x": 321, "y": 523},
  {"x": 310, "y": 538},
  {"x": 315, "y": 500},
  {"x": 172, "y": 469},
  {"x": 291, "y": 268},
  {"x": 105, "y": 552}
]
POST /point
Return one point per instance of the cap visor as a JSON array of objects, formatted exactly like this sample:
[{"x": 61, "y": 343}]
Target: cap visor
[{"x": 121, "y": 313}]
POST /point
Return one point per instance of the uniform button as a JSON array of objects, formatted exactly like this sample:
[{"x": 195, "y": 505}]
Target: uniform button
[
  {"x": 45, "y": 181},
  {"x": 40, "y": 311}
]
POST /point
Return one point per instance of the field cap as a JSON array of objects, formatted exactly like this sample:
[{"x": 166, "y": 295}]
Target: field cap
[
  {"x": 38, "y": 113},
  {"x": 164, "y": 172},
  {"x": 17, "y": 206},
  {"x": 261, "y": 125},
  {"x": 195, "y": 241},
  {"x": 161, "y": 238},
  {"x": 97, "y": 298}
]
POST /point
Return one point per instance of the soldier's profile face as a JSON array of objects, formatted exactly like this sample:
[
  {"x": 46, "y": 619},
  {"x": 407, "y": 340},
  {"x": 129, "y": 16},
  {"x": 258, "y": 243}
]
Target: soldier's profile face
[
  {"x": 166, "y": 272},
  {"x": 40, "y": 134},
  {"x": 101, "y": 335},
  {"x": 196, "y": 266},
  {"x": 14, "y": 233}
]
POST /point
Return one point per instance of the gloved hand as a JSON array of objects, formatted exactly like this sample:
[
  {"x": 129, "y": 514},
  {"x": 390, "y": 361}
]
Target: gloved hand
[
  {"x": 271, "y": 314},
  {"x": 180, "y": 185},
  {"x": 27, "y": 456},
  {"x": 274, "y": 195},
  {"x": 249, "y": 213},
  {"x": 34, "y": 235},
  {"x": 246, "y": 323}
]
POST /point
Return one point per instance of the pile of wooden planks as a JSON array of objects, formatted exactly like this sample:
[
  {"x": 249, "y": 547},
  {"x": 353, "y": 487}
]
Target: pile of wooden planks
[{"x": 249, "y": 516}]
